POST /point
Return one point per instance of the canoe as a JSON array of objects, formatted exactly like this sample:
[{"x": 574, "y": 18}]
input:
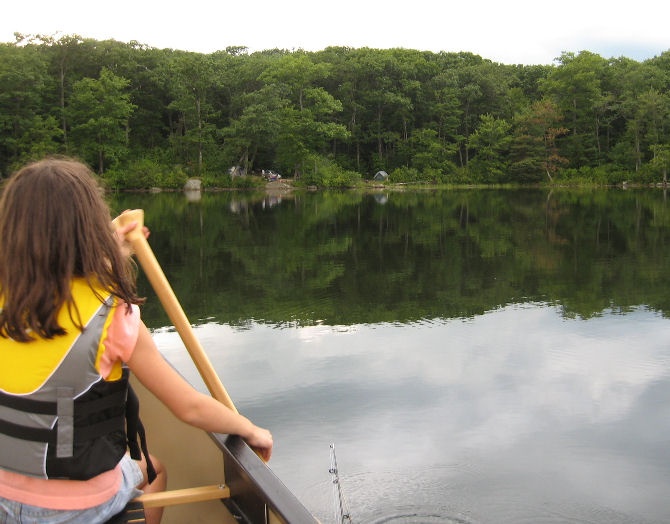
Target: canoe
[{"x": 213, "y": 478}]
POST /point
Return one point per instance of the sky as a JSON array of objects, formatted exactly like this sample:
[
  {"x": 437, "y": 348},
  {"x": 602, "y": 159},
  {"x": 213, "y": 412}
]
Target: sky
[{"x": 512, "y": 32}]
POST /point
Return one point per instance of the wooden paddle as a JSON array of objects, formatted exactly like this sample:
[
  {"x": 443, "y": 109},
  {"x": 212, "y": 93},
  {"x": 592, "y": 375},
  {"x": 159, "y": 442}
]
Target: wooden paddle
[{"x": 171, "y": 305}]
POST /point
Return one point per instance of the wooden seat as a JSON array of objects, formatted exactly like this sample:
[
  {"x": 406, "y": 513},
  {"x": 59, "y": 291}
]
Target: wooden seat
[
  {"x": 184, "y": 496},
  {"x": 133, "y": 513}
]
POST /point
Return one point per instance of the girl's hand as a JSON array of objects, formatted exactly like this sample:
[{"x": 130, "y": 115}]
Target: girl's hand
[
  {"x": 121, "y": 233},
  {"x": 261, "y": 442}
]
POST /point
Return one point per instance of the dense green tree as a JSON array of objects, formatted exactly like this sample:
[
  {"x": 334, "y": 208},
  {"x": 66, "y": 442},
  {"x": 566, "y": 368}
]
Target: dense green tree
[
  {"x": 660, "y": 161},
  {"x": 192, "y": 77},
  {"x": 428, "y": 152},
  {"x": 303, "y": 117},
  {"x": 144, "y": 68},
  {"x": 491, "y": 143},
  {"x": 384, "y": 105},
  {"x": 534, "y": 151},
  {"x": 24, "y": 131},
  {"x": 255, "y": 132},
  {"x": 99, "y": 111},
  {"x": 575, "y": 88},
  {"x": 348, "y": 83},
  {"x": 70, "y": 60},
  {"x": 401, "y": 110},
  {"x": 646, "y": 123},
  {"x": 482, "y": 89}
]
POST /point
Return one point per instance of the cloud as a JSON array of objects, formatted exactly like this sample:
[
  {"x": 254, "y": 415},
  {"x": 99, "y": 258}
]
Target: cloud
[
  {"x": 519, "y": 31},
  {"x": 525, "y": 397}
]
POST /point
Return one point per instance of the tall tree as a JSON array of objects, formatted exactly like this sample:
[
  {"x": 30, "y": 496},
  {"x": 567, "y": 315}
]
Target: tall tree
[
  {"x": 99, "y": 110},
  {"x": 25, "y": 130},
  {"x": 192, "y": 77},
  {"x": 255, "y": 132},
  {"x": 575, "y": 86},
  {"x": 305, "y": 123},
  {"x": 491, "y": 142},
  {"x": 534, "y": 151},
  {"x": 67, "y": 55}
]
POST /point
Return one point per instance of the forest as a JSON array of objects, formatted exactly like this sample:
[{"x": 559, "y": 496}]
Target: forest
[{"x": 143, "y": 117}]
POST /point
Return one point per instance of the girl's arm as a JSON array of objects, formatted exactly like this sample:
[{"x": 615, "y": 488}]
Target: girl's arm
[{"x": 188, "y": 404}]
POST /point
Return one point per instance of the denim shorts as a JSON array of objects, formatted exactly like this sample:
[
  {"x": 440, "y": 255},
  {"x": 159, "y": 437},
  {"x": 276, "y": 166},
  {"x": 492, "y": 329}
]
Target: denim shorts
[{"x": 16, "y": 513}]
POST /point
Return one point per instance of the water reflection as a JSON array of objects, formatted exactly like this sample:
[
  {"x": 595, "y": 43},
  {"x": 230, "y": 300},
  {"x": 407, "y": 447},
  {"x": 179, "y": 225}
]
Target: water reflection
[
  {"x": 476, "y": 356},
  {"x": 516, "y": 415},
  {"x": 343, "y": 259}
]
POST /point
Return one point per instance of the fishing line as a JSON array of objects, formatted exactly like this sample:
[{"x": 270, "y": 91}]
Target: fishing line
[{"x": 342, "y": 513}]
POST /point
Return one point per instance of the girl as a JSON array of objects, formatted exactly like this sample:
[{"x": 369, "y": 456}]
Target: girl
[{"x": 69, "y": 331}]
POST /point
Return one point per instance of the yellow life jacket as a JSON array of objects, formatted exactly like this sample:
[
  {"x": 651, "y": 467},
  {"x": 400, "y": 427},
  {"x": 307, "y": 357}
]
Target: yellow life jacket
[{"x": 58, "y": 417}]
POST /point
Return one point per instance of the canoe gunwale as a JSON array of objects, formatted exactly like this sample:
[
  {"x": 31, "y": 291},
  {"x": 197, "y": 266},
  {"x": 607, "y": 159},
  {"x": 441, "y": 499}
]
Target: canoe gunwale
[{"x": 256, "y": 493}]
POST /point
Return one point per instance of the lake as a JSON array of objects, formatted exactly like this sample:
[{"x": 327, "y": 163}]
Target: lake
[{"x": 474, "y": 356}]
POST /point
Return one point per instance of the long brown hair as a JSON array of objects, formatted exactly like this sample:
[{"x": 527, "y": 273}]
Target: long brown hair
[{"x": 55, "y": 226}]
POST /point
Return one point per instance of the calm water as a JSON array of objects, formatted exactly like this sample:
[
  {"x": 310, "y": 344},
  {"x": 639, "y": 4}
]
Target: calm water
[{"x": 475, "y": 356}]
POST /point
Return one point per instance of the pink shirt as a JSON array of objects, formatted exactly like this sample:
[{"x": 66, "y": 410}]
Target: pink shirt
[{"x": 65, "y": 494}]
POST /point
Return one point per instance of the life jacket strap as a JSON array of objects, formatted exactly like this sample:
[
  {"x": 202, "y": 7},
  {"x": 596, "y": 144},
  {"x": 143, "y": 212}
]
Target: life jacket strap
[
  {"x": 43, "y": 407},
  {"x": 135, "y": 429},
  {"x": 50, "y": 436}
]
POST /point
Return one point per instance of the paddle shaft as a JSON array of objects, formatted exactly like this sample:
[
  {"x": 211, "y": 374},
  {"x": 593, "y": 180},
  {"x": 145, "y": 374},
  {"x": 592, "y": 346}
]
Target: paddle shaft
[{"x": 168, "y": 299}]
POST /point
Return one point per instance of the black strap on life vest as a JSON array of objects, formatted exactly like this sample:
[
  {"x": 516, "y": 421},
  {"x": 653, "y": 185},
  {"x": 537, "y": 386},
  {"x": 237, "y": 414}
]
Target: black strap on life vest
[
  {"x": 49, "y": 436},
  {"x": 135, "y": 429},
  {"x": 43, "y": 407}
]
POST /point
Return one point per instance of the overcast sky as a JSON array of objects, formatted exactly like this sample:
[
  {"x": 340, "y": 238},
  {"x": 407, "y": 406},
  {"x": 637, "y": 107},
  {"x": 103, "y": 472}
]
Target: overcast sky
[{"x": 515, "y": 31}]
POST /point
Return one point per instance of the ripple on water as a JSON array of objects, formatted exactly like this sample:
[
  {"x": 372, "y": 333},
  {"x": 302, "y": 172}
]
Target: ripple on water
[
  {"x": 452, "y": 494},
  {"x": 392, "y": 497},
  {"x": 419, "y": 518}
]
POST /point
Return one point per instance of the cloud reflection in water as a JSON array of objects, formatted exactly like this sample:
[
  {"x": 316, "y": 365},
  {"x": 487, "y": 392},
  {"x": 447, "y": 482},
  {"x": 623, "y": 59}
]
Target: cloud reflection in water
[{"x": 515, "y": 414}]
